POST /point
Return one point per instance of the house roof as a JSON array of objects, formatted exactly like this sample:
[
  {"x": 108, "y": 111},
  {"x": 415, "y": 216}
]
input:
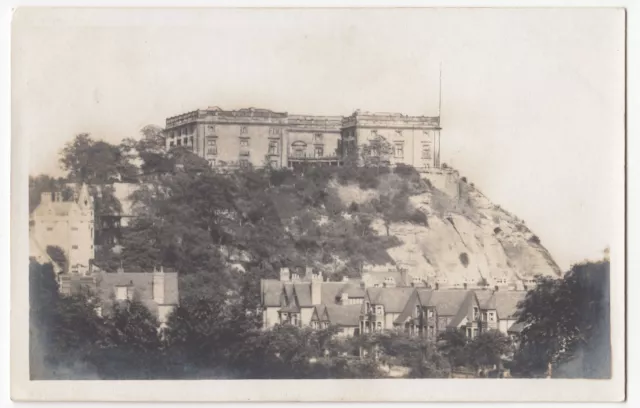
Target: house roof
[
  {"x": 271, "y": 291},
  {"x": 505, "y": 303},
  {"x": 352, "y": 289},
  {"x": 394, "y": 300},
  {"x": 485, "y": 298},
  {"x": 516, "y": 328},
  {"x": 319, "y": 313},
  {"x": 143, "y": 286},
  {"x": 447, "y": 302},
  {"x": 58, "y": 208},
  {"x": 343, "y": 315},
  {"x": 407, "y": 312},
  {"x": 463, "y": 310}
]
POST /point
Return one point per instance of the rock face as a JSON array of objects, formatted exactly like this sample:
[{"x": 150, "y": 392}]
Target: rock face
[{"x": 469, "y": 242}]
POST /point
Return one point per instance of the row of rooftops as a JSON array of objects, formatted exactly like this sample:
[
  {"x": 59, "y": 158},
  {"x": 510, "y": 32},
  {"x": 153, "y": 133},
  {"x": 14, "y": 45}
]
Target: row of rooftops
[
  {"x": 358, "y": 117},
  {"x": 292, "y": 297}
]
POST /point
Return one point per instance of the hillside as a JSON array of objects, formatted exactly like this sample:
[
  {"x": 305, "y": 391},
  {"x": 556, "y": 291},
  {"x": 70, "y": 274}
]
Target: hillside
[
  {"x": 341, "y": 221},
  {"x": 467, "y": 239}
]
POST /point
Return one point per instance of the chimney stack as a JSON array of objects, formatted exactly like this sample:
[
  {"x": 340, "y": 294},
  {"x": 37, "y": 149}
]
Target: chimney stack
[
  {"x": 284, "y": 275},
  {"x": 316, "y": 289},
  {"x": 45, "y": 198},
  {"x": 308, "y": 273}
]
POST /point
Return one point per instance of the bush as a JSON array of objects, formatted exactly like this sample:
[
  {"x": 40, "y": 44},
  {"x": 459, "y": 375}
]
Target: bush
[
  {"x": 497, "y": 230},
  {"x": 464, "y": 259},
  {"x": 418, "y": 217},
  {"x": 534, "y": 240}
]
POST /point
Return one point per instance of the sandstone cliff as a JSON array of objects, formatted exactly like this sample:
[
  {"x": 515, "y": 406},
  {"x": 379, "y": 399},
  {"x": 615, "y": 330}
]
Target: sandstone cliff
[{"x": 468, "y": 240}]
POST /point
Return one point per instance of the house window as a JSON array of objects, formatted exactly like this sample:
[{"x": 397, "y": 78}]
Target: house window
[
  {"x": 184, "y": 130},
  {"x": 399, "y": 133},
  {"x": 244, "y": 163},
  {"x": 273, "y": 147},
  {"x": 399, "y": 150},
  {"x": 491, "y": 317},
  {"x": 179, "y": 142},
  {"x": 243, "y": 130},
  {"x": 319, "y": 151},
  {"x": 212, "y": 162},
  {"x": 374, "y": 134},
  {"x": 294, "y": 319},
  {"x": 430, "y": 313},
  {"x": 432, "y": 330},
  {"x": 171, "y": 144},
  {"x": 273, "y": 164},
  {"x": 244, "y": 143},
  {"x": 318, "y": 138},
  {"x": 367, "y": 307},
  {"x": 275, "y": 131},
  {"x": 211, "y": 128},
  {"x": 418, "y": 310},
  {"x": 379, "y": 310},
  {"x": 122, "y": 293},
  {"x": 475, "y": 313},
  {"x": 379, "y": 326}
]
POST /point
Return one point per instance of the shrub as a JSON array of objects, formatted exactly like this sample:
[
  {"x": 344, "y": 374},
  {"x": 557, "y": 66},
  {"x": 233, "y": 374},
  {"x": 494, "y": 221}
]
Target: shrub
[
  {"x": 497, "y": 230},
  {"x": 535, "y": 240},
  {"x": 418, "y": 217},
  {"x": 464, "y": 259}
]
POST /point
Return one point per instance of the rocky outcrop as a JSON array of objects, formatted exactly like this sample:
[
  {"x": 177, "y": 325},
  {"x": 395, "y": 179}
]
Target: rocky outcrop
[{"x": 468, "y": 240}]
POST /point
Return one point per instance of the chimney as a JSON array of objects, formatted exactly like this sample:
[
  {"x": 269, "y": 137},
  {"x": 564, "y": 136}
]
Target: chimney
[
  {"x": 45, "y": 198},
  {"x": 284, "y": 275},
  {"x": 308, "y": 273},
  {"x": 158, "y": 286},
  {"x": 316, "y": 289}
]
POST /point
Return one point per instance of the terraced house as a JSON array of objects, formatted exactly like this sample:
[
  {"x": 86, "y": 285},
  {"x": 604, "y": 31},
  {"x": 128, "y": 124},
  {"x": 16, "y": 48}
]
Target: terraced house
[{"x": 355, "y": 307}]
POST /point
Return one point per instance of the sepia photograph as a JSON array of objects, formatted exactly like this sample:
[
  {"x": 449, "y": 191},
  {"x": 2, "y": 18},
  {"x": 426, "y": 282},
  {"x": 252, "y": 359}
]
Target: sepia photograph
[{"x": 391, "y": 195}]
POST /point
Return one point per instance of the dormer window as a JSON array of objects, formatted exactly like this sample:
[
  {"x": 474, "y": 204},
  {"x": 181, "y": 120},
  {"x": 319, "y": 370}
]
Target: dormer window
[{"x": 379, "y": 310}]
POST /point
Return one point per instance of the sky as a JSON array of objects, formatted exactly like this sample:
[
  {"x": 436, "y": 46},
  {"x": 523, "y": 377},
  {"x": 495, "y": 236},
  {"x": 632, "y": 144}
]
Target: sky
[{"x": 532, "y": 105}]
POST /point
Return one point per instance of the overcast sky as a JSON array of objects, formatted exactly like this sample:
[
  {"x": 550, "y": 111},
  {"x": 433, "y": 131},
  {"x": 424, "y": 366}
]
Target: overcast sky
[{"x": 532, "y": 100}]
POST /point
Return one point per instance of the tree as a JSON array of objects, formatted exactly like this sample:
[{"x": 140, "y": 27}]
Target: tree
[
  {"x": 415, "y": 352},
  {"x": 452, "y": 344},
  {"x": 58, "y": 256},
  {"x": 96, "y": 162},
  {"x": 63, "y": 329},
  {"x": 566, "y": 324},
  {"x": 377, "y": 153},
  {"x": 130, "y": 344},
  {"x": 488, "y": 348}
]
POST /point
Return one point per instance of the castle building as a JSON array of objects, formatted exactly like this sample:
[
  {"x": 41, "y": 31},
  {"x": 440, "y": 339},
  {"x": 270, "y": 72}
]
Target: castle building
[
  {"x": 68, "y": 225},
  {"x": 261, "y": 137},
  {"x": 413, "y": 140}
]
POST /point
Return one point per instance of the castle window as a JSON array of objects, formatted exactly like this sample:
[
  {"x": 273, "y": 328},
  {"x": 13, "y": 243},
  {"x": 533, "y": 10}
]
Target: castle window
[
  {"x": 273, "y": 147},
  {"x": 212, "y": 147},
  {"x": 122, "y": 293},
  {"x": 399, "y": 150},
  {"x": 426, "y": 151}
]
